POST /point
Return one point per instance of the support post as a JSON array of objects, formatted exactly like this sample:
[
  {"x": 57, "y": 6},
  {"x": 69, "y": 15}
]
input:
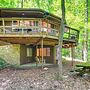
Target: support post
[
  {"x": 72, "y": 54},
  {"x": 3, "y": 26},
  {"x": 54, "y": 54},
  {"x": 12, "y": 25},
  {"x": 42, "y": 51}
]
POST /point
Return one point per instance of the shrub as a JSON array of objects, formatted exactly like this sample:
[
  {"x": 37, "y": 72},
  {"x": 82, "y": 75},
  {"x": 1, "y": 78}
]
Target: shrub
[{"x": 3, "y": 63}]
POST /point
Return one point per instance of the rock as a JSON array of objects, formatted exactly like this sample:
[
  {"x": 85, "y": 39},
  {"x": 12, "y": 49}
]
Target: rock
[{"x": 45, "y": 68}]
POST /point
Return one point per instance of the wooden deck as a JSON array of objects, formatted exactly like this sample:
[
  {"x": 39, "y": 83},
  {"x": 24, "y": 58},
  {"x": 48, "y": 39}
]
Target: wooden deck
[
  {"x": 27, "y": 26},
  {"x": 32, "y": 39}
]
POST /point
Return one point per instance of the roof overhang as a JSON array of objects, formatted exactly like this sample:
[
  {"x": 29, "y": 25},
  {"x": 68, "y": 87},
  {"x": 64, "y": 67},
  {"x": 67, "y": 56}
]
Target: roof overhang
[{"x": 27, "y": 13}]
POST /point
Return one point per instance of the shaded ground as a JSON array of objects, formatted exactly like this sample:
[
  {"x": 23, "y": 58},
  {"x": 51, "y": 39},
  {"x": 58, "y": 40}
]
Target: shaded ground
[{"x": 38, "y": 79}]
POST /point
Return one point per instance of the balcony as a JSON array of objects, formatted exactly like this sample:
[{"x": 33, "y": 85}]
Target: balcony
[
  {"x": 27, "y": 27},
  {"x": 36, "y": 28}
]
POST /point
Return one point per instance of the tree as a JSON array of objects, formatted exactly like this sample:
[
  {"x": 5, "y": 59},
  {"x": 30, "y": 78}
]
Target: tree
[
  {"x": 85, "y": 43},
  {"x": 61, "y": 32},
  {"x": 22, "y": 2}
]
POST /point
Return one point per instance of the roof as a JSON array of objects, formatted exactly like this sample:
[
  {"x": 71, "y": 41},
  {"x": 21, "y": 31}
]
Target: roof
[{"x": 27, "y": 13}]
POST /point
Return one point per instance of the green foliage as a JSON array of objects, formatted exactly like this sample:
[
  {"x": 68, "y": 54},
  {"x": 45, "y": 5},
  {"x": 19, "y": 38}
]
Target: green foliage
[
  {"x": 3, "y": 63},
  {"x": 86, "y": 65},
  {"x": 8, "y": 3},
  {"x": 65, "y": 52}
]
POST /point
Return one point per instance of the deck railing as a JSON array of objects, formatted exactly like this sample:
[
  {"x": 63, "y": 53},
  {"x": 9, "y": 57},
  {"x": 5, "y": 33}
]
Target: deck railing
[
  {"x": 10, "y": 30},
  {"x": 70, "y": 34}
]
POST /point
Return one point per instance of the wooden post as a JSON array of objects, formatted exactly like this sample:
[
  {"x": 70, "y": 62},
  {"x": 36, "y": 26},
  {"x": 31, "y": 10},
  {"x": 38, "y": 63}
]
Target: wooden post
[
  {"x": 54, "y": 54},
  {"x": 40, "y": 25},
  {"x": 72, "y": 53},
  {"x": 22, "y": 27},
  {"x": 3, "y": 26},
  {"x": 12, "y": 25},
  {"x": 42, "y": 51}
]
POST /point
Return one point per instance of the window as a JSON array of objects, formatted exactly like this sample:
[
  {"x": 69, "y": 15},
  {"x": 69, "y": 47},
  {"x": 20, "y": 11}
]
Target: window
[
  {"x": 52, "y": 26},
  {"x": 36, "y": 23},
  {"x": 26, "y": 23},
  {"x": 29, "y": 52},
  {"x": 15, "y": 23},
  {"x": 8, "y": 23},
  {"x": 38, "y": 52},
  {"x": 46, "y": 52},
  {"x": 49, "y": 25},
  {"x": 33, "y": 23},
  {"x": 44, "y": 24},
  {"x": 1, "y": 23}
]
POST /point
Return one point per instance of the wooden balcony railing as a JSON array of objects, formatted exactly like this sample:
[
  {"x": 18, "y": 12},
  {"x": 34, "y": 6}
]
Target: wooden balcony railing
[
  {"x": 21, "y": 30},
  {"x": 70, "y": 34}
]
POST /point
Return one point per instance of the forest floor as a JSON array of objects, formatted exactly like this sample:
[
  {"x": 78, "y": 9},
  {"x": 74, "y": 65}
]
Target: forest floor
[{"x": 38, "y": 79}]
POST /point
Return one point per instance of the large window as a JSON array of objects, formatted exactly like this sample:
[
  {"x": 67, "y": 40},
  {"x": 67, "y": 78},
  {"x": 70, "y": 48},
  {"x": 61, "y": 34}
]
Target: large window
[
  {"x": 29, "y": 52},
  {"x": 44, "y": 24},
  {"x": 46, "y": 52},
  {"x": 27, "y": 23}
]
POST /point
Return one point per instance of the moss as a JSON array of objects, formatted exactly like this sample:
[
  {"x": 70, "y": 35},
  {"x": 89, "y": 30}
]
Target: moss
[
  {"x": 3, "y": 63},
  {"x": 87, "y": 65}
]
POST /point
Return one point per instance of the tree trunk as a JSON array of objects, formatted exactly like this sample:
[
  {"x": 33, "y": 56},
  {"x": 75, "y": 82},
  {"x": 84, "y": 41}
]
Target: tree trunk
[
  {"x": 22, "y": 1},
  {"x": 72, "y": 55},
  {"x": 60, "y": 48},
  {"x": 85, "y": 44},
  {"x": 61, "y": 32},
  {"x": 63, "y": 11}
]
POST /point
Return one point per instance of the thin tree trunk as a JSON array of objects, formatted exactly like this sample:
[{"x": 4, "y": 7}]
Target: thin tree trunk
[
  {"x": 85, "y": 46},
  {"x": 60, "y": 48},
  {"x": 61, "y": 32},
  {"x": 63, "y": 11},
  {"x": 72, "y": 54},
  {"x": 22, "y": 1}
]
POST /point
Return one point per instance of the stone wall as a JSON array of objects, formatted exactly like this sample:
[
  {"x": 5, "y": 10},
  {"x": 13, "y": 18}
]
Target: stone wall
[{"x": 10, "y": 53}]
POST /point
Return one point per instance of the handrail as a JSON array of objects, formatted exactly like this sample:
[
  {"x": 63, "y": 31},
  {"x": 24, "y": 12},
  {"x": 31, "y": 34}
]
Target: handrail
[
  {"x": 71, "y": 34},
  {"x": 28, "y": 30}
]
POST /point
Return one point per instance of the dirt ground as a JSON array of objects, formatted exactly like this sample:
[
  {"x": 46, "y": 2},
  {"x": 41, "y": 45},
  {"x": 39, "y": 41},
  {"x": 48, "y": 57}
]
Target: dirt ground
[{"x": 38, "y": 79}]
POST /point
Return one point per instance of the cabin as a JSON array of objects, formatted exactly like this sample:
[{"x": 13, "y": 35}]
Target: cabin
[{"x": 33, "y": 33}]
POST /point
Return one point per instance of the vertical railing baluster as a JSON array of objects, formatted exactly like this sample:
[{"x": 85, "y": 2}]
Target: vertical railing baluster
[
  {"x": 22, "y": 27},
  {"x": 69, "y": 33},
  {"x": 40, "y": 26},
  {"x": 12, "y": 25},
  {"x": 3, "y": 25}
]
